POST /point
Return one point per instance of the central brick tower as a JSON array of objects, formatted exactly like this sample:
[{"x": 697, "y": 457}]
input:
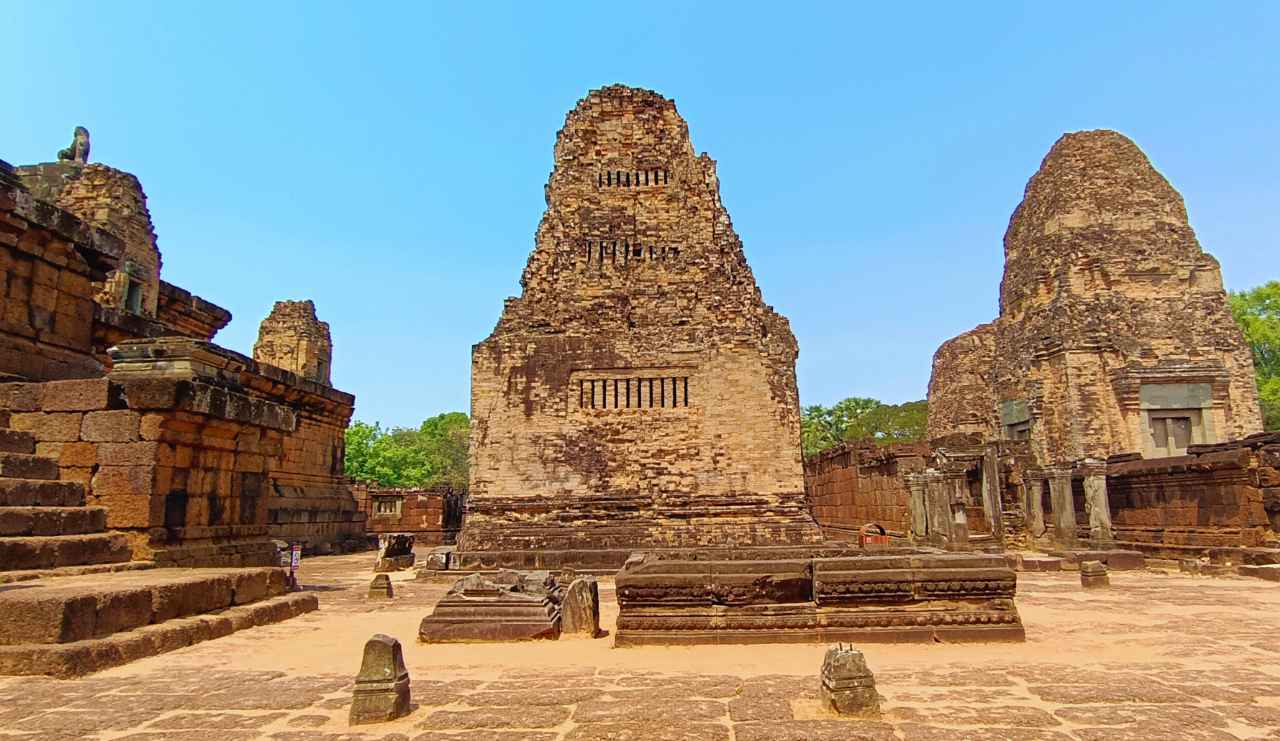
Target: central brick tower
[{"x": 640, "y": 393}]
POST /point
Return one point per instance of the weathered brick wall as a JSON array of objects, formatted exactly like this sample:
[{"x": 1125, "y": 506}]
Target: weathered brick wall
[
  {"x": 198, "y": 454},
  {"x": 1106, "y": 292},
  {"x": 434, "y": 516},
  {"x": 189, "y": 315},
  {"x": 48, "y": 262},
  {"x": 639, "y": 391},
  {"x": 1220, "y": 495},
  {"x": 851, "y": 485}
]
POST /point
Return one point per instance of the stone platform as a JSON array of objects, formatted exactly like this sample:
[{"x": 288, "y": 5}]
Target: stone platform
[
  {"x": 69, "y": 626},
  {"x": 710, "y": 596},
  {"x": 507, "y": 606}
]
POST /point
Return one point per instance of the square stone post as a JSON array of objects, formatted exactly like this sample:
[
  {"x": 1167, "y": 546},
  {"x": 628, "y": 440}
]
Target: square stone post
[
  {"x": 1034, "y": 492},
  {"x": 957, "y": 488},
  {"x": 1064, "y": 508},
  {"x": 916, "y": 506},
  {"x": 937, "y": 499},
  {"x": 1096, "y": 503},
  {"x": 991, "y": 489}
]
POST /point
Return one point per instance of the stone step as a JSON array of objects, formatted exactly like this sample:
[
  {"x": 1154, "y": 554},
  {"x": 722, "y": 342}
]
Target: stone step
[
  {"x": 9, "y": 577},
  {"x": 65, "y": 660},
  {"x": 13, "y": 441},
  {"x": 79, "y": 608},
  {"x": 53, "y": 551},
  {"x": 25, "y": 466},
  {"x": 52, "y": 520},
  {"x": 15, "y": 492}
]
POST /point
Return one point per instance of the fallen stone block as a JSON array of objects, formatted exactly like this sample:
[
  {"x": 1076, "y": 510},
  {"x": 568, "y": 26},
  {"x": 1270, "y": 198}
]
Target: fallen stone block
[
  {"x": 1093, "y": 575},
  {"x": 580, "y": 609},
  {"x": 380, "y": 587},
  {"x": 848, "y": 687}
]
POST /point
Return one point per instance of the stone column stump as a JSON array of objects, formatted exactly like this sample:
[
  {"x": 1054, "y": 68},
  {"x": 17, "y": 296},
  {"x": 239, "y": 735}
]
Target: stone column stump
[
  {"x": 382, "y": 686},
  {"x": 848, "y": 687},
  {"x": 580, "y": 609},
  {"x": 380, "y": 587},
  {"x": 1093, "y": 575}
]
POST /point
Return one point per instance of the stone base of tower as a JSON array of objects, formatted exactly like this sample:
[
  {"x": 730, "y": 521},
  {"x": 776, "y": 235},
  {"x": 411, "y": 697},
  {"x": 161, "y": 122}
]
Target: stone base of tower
[{"x": 599, "y": 532}]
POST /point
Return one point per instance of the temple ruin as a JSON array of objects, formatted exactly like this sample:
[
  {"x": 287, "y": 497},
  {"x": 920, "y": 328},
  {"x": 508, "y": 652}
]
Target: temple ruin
[
  {"x": 639, "y": 393},
  {"x": 1114, "y": 334},
  {"x": 191, "y": 453}
]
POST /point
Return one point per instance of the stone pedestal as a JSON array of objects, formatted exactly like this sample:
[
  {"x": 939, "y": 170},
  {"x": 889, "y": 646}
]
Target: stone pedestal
[
  {"x": 848, "y": 687},
  {"x": 507, "y": 606},
  {"x": 382, "y": 686},
  {"x": 1096, "y": 502},
  {"x": 580, "y": 609},
  {"x": 1093, "y": 574},
  {"x": 380, "y": 587},
  {"x": 1064, "y": 508}
]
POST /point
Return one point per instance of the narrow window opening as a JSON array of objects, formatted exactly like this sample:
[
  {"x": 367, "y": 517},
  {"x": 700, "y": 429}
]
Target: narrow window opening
[
  {"x": 613, "y": 253},
  {"x": 662, "y": 392},
  {"x": 675, "y": 252},
  {"x": 628, "y": 183},
  {"x": 664, "y": 177},
  {"x": 604, "y": 394},
  {"x": 646, "y": 177},
  {"x": 652, "y": 252},
  {"x": 593, "y": 394},
  {"x": 639, "y": 250},
  {"x": 133, "y": 297},
  {"x": 686, "y": 391},
  {"x": 609, "y": 177},
  {"x": 650, "y": 393},
  {"x": 581, "y": 393},
  {"x": 599, "y": 179},
  {"x": 588, "y": 253},
  {"x": 615, "y": 393},
  {"x": 637, "y": 177},
  {"x": 628, "y": 382},
  {"x": 602, "y": 253},
  {"x": 675, "y": 393}
]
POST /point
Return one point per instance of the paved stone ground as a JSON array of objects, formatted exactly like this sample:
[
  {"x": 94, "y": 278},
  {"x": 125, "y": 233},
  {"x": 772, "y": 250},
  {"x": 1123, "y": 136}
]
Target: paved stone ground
[{"x": 1156, "y": 657}]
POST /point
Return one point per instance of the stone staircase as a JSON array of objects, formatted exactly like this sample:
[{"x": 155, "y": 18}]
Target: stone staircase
[{"x": 45, "y": 527}]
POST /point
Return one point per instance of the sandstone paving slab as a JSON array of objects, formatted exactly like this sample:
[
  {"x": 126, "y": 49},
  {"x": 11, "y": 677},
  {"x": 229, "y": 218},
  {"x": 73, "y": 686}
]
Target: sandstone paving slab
[
  {"x": 216, "y": 721},
  {"x": 1156, "y": 729},
  {"x": 966, "y": 715},
  {"x": 1120, "y": 715},
  {"x": 760, "y": 707},
  {"x": 604, "y": 711},
  {"x": 489, "y": 735},
  {"x": 648, "y": 732},
  {"x": 496, "y": 718},
  {"x": 1147, "y": 691},
  {"x": 919, "y": 732},
  {"x": 815, "y": 730},
  {"x": 531, "y": 698}
]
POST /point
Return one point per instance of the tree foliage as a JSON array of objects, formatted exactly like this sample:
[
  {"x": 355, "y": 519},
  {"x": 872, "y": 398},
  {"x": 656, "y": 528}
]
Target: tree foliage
[
  {"x": 858, "y": 418},
  {"x": 433, "y": 455},
  {"x": 1257, "y": 311}
]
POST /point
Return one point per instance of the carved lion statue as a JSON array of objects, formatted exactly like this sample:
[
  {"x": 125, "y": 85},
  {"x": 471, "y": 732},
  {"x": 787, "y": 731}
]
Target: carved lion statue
[{"x": 79, "y": 149}]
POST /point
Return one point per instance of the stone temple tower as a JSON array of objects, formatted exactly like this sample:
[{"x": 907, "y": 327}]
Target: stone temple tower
[
  {"x": 639, "y": 393},
  {"x": 292, "y": 338},
  {"x": 1114, "y": 332}
]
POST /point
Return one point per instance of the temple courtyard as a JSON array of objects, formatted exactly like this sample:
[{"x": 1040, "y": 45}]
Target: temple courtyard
[{"x": 1155, "y": 656}]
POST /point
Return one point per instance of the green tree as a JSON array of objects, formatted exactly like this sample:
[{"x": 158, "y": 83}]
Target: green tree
[
  {"x": 1257, "y": 311},
  {"x": 860, "y": 418},
  {"x": 435, "y": 454}
]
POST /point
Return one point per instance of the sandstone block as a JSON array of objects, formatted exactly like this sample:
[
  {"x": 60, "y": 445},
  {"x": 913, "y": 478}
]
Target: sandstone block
[
  {"x": 580, "y": 609},
  {"x": 75, "y": 396},
  {"x": 120, "y": 426},
  {"x": 380, "y": 587}
]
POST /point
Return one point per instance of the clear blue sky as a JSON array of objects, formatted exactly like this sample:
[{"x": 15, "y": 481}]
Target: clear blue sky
[{"x": 389, "y": 162}]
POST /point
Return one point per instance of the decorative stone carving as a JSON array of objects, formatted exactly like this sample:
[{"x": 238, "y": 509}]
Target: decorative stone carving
[
  {"x": 580, "y": 609},
  {"x": 848, "y": 687},
  {"x": 506, "y": 606},
  {"x": 777, "y": 595},
  {"x": 382, "y": 686},
  {"x": 78, "y": 152}
]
